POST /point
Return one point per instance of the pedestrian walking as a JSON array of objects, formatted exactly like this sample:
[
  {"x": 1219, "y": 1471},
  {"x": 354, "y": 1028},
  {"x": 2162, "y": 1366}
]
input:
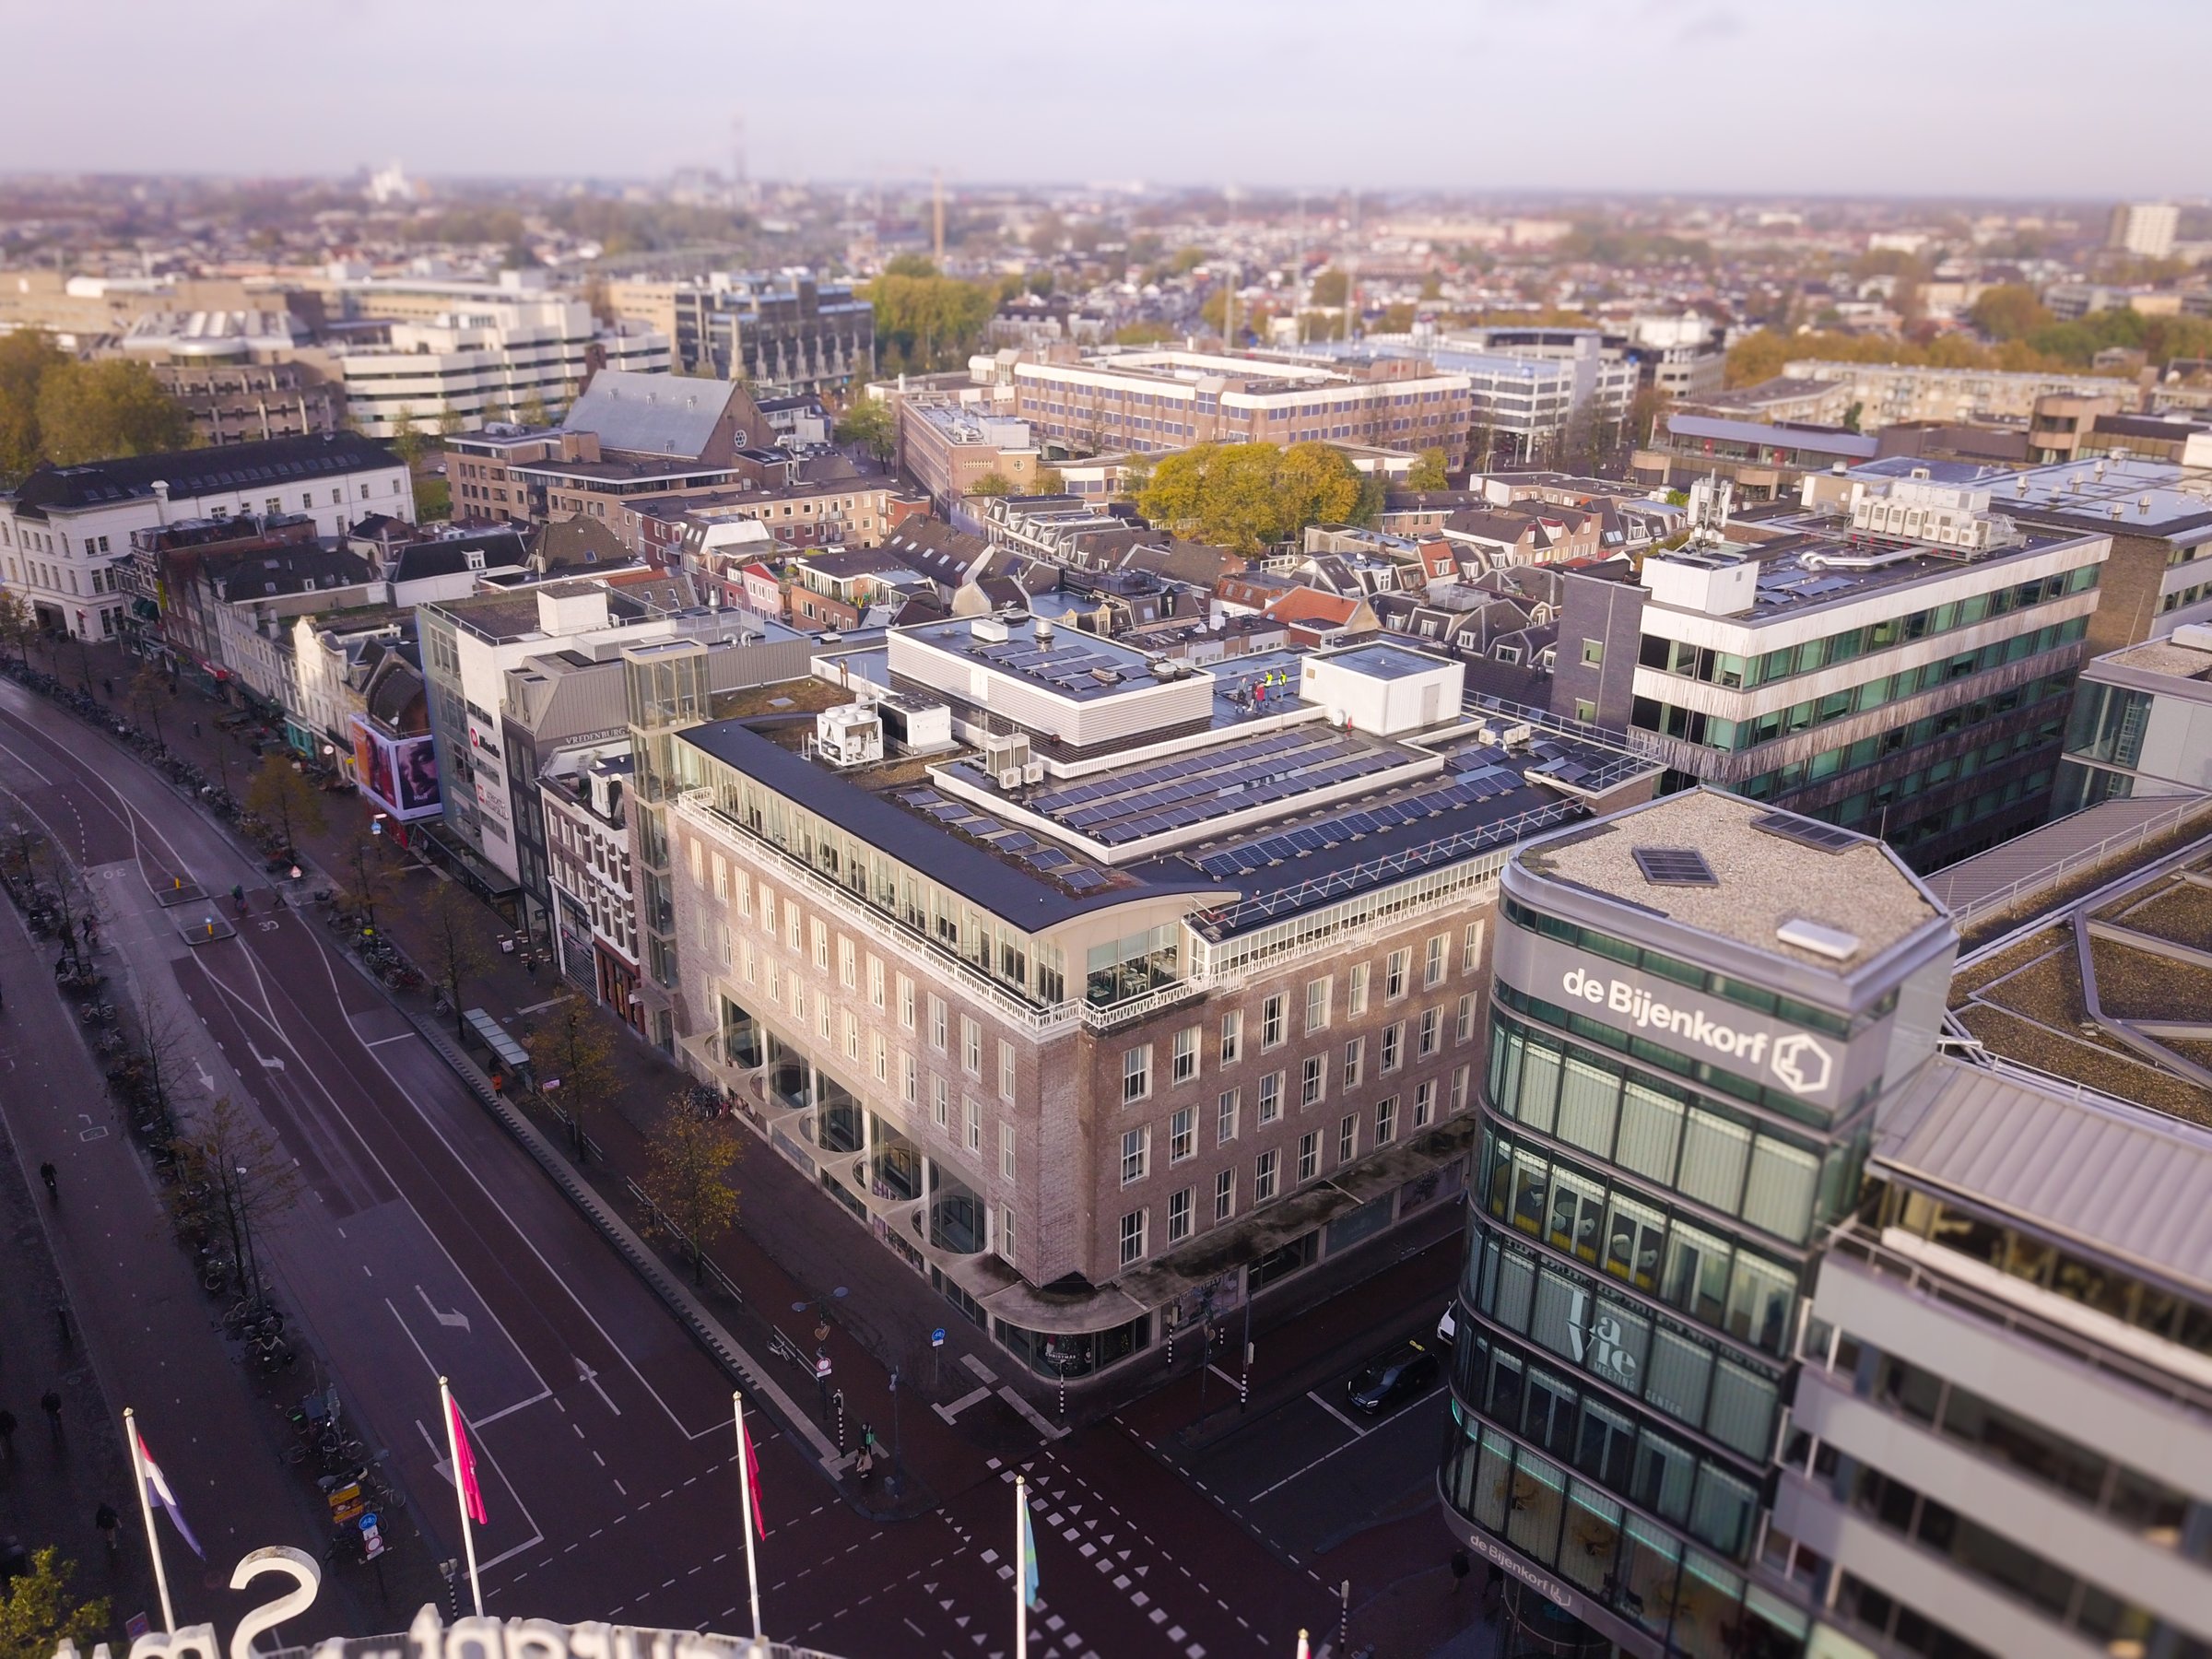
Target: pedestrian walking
[
  {"x": 61, "y": 1321},
  {"x": 7, "y": 1435},
  {"x": 47, "y": 1174},
  {"x": 108, "y": 1520},
  {"x": 108, "y": 686},
  {"x": 51, "y": 1404},
  {"x": 195, "y": 728}
]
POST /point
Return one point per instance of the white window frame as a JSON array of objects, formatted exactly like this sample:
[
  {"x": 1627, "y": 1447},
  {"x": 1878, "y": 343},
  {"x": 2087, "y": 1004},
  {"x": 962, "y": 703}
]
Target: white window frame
[
  {"x": 1266, "y": 1175},
  {"x": 1181, "y": 1207},
  {"x": 1228, "y": 1109},
  {"x": 1182, "y": 1135},
  {"x": 1312, "y": 1080},
  {"x": 1136, "y": 1074},
  {"x": 1225, "y": 1194},
  {"x": 1136, "y": 1154},
  {"x": 1232, "y": 1036},
  {"x": 1182, "y": 1057},
  {"x": 1133, "y": 1236},
  {"x": 1319, "y": 994}
]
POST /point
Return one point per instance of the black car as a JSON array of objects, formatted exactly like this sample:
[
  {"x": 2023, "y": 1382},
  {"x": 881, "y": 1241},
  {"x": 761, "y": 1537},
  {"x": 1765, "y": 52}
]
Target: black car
[{"x": 1398, "y": 1374}]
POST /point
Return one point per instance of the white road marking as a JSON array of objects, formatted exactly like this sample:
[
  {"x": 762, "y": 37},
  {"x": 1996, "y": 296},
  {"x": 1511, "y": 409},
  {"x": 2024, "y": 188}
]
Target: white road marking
[{"x": 1335, "y": 1413}]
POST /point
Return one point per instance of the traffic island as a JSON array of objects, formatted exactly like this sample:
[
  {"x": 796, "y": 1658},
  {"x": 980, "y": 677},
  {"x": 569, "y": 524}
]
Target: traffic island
[
  {"x": 172, "y": 890},
  {"x": 204, "y": 929}
]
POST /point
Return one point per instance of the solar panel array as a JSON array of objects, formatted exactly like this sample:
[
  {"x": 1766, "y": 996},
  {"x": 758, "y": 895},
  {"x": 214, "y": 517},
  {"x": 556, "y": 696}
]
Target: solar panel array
[
  {"x": 1229, "y": 863},
  {"x": 1183, "y": 790},
  {"x": 1017, "y": 845},
  {"x": 1069, "y": 669}
]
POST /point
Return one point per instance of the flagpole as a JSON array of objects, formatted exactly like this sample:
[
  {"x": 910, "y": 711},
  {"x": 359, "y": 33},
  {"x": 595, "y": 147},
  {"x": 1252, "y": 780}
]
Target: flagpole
[
  {"x": 1021, "y": 1568},
  {"x": 468, "y": 1539},
  {"x": 745, "y": 1485},
  {"x": 145, "y": 1508}
]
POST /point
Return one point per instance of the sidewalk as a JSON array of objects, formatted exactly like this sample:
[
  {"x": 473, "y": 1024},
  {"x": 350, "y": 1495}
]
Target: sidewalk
[{"x": 880, "y": 1313}]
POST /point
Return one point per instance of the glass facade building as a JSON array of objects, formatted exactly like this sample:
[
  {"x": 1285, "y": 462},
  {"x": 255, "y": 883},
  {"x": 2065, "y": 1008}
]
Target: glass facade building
[{"x": 1683, "y": 1068}]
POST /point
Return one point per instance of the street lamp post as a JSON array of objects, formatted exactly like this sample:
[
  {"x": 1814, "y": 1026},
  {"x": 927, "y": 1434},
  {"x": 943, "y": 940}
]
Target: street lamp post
[
  {"x": 1244, "y": 1377},
  {"x": 890, "y": 1481}
]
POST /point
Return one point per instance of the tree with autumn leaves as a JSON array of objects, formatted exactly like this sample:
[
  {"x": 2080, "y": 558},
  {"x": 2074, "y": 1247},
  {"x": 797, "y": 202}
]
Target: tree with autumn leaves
[{"x": 1247, "y": 496}]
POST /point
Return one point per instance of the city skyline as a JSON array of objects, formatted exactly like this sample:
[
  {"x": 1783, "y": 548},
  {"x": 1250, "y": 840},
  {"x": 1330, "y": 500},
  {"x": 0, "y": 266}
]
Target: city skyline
[{"x": 1185, "y": 102}]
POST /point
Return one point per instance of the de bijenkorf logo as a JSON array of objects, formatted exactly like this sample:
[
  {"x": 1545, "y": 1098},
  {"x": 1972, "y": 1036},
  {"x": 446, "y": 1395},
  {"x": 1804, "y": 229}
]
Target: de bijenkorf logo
[{"x": 1800, "y": 1062}]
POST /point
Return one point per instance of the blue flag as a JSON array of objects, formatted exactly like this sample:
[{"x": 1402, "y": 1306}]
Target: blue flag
[{"x": 1028, "y": 1560}]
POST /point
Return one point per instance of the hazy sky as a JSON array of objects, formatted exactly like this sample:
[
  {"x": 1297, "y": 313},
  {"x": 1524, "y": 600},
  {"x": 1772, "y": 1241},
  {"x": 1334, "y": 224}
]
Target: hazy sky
[{"x": 2028, "y": 98}]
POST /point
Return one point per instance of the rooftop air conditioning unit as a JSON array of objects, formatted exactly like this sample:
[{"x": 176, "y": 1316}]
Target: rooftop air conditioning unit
[
  {"x": 989, "y": 629},
  {"x": 1033, "y": 772},
  {"x": 1010, "y": 778}
]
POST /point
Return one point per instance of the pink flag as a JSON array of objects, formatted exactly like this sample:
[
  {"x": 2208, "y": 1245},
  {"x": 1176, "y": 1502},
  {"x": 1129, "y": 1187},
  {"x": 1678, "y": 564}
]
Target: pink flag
[
  {"x": 752, "y": 1480},
  {"x": 465, "y": 1466}
]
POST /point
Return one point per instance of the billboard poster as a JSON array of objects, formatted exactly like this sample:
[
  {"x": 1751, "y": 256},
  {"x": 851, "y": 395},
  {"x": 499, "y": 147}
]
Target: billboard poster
[{"x": 400, "y": 774}]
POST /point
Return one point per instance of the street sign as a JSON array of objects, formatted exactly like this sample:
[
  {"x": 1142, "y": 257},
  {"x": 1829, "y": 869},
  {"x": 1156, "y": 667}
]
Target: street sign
[
  {"x": 821, "y": 1366},
  {"x": 936, "y": 1337}
]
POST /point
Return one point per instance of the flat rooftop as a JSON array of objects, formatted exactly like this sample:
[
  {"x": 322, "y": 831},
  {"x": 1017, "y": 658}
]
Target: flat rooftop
[
  {"x": 1754, "y": 878},
  {"x": 1068, "y": 662},
  {"x": 1385, "y": 662},
  {"x": 2123, "y": 497},
  {"x": 2167, "y": 657},
  {"x": 1791, "y": 578},
  {"x": 1030, "y": 855}
]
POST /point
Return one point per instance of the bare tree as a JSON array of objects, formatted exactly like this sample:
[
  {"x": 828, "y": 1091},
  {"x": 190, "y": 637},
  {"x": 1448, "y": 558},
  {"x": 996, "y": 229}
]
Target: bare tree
[
  {"x": 149, "y": 692},
  {"x": 457, "y": 955},
  {"x": 248, "y": 1181}
]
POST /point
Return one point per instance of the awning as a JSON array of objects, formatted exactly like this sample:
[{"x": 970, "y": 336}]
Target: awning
[{"x": 489, "y": 1032}]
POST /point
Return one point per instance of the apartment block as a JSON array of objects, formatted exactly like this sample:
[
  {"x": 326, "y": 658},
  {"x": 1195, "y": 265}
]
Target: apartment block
[
  {"x": 66, "y": 532},
  {"x": 2146, "y": 228},
  {"x": 1889, "y": 393},
  {"x": 1782, "y": 1331},
  {"x": 1150, "y": 402},
  {"x": 1083, "y": 1027}
]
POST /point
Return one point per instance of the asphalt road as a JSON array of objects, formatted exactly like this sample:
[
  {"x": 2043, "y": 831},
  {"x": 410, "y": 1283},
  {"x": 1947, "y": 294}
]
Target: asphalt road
[{"x": 425, "y": 1242}]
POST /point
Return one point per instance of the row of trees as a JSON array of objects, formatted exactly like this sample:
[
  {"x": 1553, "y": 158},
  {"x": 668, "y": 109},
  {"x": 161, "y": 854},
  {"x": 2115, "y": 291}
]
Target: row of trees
[
  {"x": 2013, "y": 312},
  {"x": 2023, "y": 336},
  {"x": 55, "y": 408}
]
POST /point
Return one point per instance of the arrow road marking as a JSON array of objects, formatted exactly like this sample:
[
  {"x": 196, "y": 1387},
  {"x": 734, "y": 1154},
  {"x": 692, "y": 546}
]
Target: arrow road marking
[
  {"x": 268, "y": 1060},
  {"x": 586, "y": 1374},
  {"x": 459, "y": 1320},
  {"x": 206, "y": 1082}
]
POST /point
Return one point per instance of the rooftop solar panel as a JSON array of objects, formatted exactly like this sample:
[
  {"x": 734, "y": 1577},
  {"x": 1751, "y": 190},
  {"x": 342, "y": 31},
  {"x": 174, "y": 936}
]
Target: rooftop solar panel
[
  {"x": 1674, "y": 866},
  {"x": 1805, "y": 832}
]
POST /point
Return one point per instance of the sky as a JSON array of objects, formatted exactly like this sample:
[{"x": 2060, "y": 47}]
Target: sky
[{"x": 2029, "y": 98}]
